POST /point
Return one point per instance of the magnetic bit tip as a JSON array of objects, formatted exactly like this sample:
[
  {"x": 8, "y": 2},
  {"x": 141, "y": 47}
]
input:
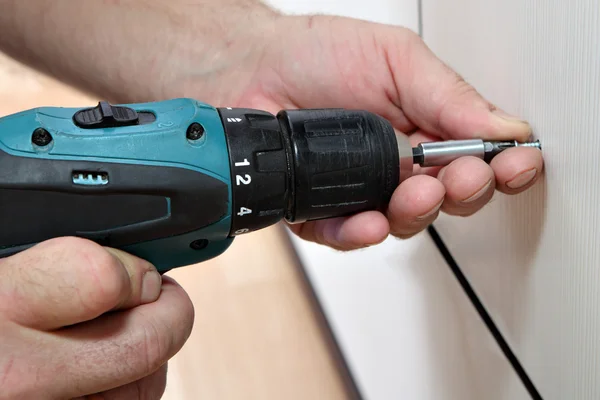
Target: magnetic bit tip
[
  {"x": 494, "y": 148},
  {"x": 535, "y": 144}
]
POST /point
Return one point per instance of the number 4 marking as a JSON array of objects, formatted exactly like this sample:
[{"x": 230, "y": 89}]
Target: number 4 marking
[
  {"x": 244, "y": 211},
  {"x": 244, "y": 163}
]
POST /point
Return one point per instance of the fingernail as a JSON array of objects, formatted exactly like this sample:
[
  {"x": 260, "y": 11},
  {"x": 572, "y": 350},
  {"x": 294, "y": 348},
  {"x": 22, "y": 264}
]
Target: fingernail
[
  {"x": 522, "y": 179},
  {"x": 431, "y": 212},
  {"x": 151, "y": 284},
  {"x": 478, "y": 193}
]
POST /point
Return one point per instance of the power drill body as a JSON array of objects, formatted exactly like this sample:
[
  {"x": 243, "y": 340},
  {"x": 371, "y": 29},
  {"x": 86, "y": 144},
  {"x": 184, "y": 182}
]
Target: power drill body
[{"x": 175, "y": 181}]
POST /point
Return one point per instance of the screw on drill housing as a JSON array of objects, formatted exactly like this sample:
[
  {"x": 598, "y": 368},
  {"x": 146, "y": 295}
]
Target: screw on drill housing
[
  {"x": 41, "y": 137},
  {"x": 199, "y": 244},
  {"x": 195, "y": 131}
]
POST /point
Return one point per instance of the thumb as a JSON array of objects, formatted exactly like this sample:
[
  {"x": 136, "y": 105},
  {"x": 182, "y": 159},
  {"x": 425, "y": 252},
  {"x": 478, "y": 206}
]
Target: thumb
[
  {"x": 66, "y": 281},
  {"x": 439, "y": 101}
]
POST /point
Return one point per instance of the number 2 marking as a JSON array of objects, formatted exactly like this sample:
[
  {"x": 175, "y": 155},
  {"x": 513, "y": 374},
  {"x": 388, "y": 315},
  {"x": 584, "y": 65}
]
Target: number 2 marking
[
  {"x": 244, "y": 163},
  {"x": 245, "y": 180},
  {"x": 244, "y": 211}
]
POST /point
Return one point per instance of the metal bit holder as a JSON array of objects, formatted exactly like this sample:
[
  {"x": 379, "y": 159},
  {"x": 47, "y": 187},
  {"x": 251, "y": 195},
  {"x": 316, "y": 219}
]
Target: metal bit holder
[{"x": 432, "y": 154}]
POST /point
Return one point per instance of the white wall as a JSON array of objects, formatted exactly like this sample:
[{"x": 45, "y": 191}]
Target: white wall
[
  {"x": 533, "y": 258},
  {"x": 400, "y": 12},
  {"x": 404, "y": 325}
]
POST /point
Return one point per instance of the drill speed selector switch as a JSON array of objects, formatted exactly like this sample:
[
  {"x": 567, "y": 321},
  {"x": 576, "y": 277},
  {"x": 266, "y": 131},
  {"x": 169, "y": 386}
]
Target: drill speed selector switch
[{"x": 105, "y": 115}]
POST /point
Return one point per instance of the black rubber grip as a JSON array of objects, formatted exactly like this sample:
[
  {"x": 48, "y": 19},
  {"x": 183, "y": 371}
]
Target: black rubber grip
[{"x": 344, "y": 162}]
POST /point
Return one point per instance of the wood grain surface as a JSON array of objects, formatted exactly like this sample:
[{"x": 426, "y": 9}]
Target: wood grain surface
[
  {"x": 256, "y": 333},
  {"x": 534, "y": 258}
]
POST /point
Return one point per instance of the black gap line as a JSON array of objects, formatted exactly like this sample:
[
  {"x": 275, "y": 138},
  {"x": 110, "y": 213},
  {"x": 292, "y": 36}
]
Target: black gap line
[
  {"x": 420, "y": 17},
  {"x": 484, "y": 314}
]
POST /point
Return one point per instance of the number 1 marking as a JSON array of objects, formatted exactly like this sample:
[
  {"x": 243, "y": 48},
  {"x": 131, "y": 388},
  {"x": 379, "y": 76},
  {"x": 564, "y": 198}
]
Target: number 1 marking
[{"x": 244, "y": 163}]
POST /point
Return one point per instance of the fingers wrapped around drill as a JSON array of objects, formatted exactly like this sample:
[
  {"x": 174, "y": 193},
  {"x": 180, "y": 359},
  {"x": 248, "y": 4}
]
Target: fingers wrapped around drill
[
  {"x": 102, "y": 318},
  {"x": 123, "y": 348},
  {"x": 151, "y": 387},
  {"x": 346, "y": 233},
  {"x": 517, "y": 169},
  {"x": 66, "y": 281},
  {"x": 469, "y": 183},
  {"x": 414, "y": 205},
  {"x": 119, "y": 352}
]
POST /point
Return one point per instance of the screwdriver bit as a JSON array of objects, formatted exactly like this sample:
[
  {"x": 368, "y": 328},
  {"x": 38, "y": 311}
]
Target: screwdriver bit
[{"x": 433, "y": 154}]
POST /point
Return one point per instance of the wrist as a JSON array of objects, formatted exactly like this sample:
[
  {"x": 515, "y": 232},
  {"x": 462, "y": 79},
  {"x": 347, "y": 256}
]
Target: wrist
[
  {"x": 136, "y": 51},
  {"x": 217, "y": 50}
]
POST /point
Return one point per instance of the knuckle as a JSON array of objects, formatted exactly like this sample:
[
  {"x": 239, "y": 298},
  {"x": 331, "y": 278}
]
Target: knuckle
[
  {"x": 109, "y": 279},
  {"x": 463, "y": 89},
  {"x": 97, "y": 280},
  {"x": 65, "y": 243},
  {"x": 112, "y": 281},
  {"x": 409, "y": 36}
]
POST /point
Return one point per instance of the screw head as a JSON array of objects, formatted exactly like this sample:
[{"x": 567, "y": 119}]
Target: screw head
[
  {"x": 199, "y": 244},
  {"x": 195, "y": 131},
  {"x": 41, "y": 137}
]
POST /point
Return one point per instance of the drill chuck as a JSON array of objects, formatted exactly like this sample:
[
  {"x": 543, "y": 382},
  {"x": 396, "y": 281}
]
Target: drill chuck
[{"x": 304, "y": 165}]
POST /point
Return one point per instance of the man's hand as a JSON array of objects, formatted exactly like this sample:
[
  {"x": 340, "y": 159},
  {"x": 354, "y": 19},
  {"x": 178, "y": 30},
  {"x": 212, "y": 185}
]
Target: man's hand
[
  {"x": 312, "y": 62},
  {"x": 78, "y": 319}
]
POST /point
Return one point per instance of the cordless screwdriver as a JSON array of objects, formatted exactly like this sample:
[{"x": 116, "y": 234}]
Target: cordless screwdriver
[{"x": 175, "y": 181}]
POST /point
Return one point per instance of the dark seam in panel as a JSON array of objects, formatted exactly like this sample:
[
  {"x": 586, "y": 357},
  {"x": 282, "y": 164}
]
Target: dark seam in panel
[
  {"x": 487, "y": 319},
  {"x": 420, "y": 17}
]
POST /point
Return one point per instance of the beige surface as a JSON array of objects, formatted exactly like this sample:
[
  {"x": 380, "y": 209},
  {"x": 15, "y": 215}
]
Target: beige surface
[{"x": 255, "y": 336}]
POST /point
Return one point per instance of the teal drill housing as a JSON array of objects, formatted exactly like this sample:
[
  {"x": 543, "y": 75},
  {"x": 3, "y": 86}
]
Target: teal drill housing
[{"x": 160, "y": 143}]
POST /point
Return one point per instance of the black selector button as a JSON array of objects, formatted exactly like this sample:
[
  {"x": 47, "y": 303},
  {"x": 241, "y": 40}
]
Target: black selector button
[{"x": 105, "y": 115}]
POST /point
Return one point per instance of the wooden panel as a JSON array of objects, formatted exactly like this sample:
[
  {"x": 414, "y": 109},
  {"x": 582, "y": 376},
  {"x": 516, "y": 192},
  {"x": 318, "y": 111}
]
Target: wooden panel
[
  {"x": 533, "y": 258},
  {"x": 256, "y": 334}
]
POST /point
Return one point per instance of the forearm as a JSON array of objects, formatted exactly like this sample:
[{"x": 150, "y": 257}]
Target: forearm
[{"x": 130, "y": 50}]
